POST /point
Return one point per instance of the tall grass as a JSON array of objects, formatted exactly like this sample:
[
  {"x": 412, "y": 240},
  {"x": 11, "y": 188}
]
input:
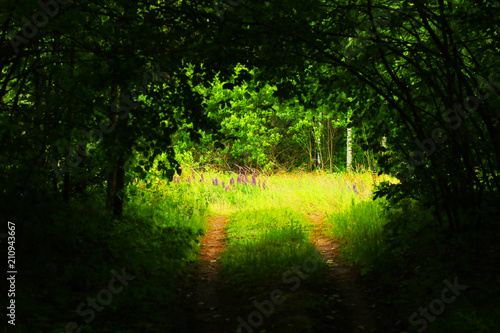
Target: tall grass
[
  {"x": 299, "y": 191},
  {"x": 359, "y": 228}
]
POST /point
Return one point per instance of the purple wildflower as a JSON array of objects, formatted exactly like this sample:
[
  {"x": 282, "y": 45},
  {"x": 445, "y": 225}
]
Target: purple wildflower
[
  {"x": 264, "y": 185},
  {"x": 177, "y": 177},
  {"x": 231, "y": 181},
  {"x": 246, "y": 178},
  {"x": 254, "y": 180},
  {"x": 201, "y": 179},
  {"x": 194, "y": 176},
  {"x": 223, "y": 185},
  {"x": 216, "y": 181}
]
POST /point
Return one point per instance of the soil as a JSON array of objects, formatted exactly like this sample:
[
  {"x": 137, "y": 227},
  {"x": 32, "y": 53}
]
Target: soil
[{"x": 341, "y": 301}]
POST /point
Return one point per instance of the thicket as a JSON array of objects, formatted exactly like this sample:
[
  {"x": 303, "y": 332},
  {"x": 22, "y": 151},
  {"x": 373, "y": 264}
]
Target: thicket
[{"x": 264, "y": 131}]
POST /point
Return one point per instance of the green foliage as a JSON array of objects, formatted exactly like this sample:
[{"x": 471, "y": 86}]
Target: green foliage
[
  {"x": 68, "y": 252},
  {"x": 263, "y": 129},
  {"x": 155, "y": 84}
]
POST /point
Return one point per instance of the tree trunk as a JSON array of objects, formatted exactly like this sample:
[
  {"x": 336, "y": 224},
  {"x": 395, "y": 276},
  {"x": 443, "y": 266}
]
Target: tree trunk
[
  {"x": 116, "y": 185},
  {"x": 116, "y": 178},
  {"x": 349, "y": 148},
  {"x": 318, "y": 152}
]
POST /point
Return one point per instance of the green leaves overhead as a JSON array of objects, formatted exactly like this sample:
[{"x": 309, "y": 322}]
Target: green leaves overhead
[{"x": 150, "y": 79}]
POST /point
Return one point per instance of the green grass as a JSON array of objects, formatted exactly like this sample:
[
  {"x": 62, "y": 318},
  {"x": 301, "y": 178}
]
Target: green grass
[
  {"x": 359, "y": 228},
  {"x": 71, "y": 250},
  {"x": 345, "y": 197},
  {"x": 263, "y": 244},
  {"x": 299, "y": 191},
  {"x": 268, "y": 234}
]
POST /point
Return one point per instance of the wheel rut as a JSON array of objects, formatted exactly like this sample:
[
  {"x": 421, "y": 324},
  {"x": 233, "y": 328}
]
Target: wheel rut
[
  {"x": 352, "y": 293},
  {"x": 346, "y": 300},
  {"x": 210, "y": 305}
]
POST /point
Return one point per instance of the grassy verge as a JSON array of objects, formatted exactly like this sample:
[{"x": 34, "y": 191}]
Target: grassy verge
[
  {"x": 70, "y": 253},
  {"x": 404, "y": 251},
  {"x": 359, "y": 228}
]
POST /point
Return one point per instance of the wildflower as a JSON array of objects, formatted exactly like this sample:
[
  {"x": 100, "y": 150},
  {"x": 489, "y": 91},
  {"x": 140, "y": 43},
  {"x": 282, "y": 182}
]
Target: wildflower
[
  {"x": 201, "y": 179},
  {"x": 254, "y": 180},
  {"x": 228, "y": 188},
  {"x": 259, "y": 183},
  {"x": 246, "y": 178},
  {"x": 231, "y": 181},
  {"x": 193, "y": 176},
  {"x": 177, "y": 177},
  {"x": 216, "y": 181},
  {"x": 264, "y": 185},
  {"x": 223, "y": 185}
]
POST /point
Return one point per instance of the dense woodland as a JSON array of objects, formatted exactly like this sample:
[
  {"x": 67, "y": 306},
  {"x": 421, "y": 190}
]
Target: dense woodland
[{"x": 103, "y": 104}]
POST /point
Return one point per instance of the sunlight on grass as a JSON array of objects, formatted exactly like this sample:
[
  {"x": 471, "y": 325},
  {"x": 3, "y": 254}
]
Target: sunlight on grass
[
  {"x": 359, "y": 228},
  {"x": 259, "y": 203},
  {"x": 299, "y": 191},
  {"x": 263, "y": 243}
]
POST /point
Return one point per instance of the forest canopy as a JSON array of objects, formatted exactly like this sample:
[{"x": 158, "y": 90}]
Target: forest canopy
[{"x": 93, "y": 94}]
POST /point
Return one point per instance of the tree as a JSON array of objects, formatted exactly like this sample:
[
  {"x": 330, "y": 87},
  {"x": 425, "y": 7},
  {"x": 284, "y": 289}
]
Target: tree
[
  {"x": 428, "y": 70},
  {"x": 84, "y": 103}
]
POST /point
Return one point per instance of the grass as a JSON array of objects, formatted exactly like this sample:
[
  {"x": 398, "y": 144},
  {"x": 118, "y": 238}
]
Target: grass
[
  {"x": 345, "y": 197},
  {"x": 71, "y": 250},
  {"x": 359, "y": 228},
  {"x": 263, "y": 244},
  {"x": 267, "y": 236},
  {"x": 299, "y": 191},
  {"x": 268, "y": 232}
]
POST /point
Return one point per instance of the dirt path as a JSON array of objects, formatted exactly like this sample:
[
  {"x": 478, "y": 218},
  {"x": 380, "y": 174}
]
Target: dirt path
[
  {"x": 339, "y": 303},
  {"x": 211, "y": 308},
  {"x": 352, "y": 292}
]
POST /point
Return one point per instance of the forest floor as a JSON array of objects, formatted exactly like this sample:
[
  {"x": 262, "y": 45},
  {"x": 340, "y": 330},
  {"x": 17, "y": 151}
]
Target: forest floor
[{"x": 338, "y": 302}]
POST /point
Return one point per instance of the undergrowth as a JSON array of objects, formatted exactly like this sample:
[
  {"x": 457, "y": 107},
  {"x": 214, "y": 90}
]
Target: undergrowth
[{"x": 70, "y": 252}]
